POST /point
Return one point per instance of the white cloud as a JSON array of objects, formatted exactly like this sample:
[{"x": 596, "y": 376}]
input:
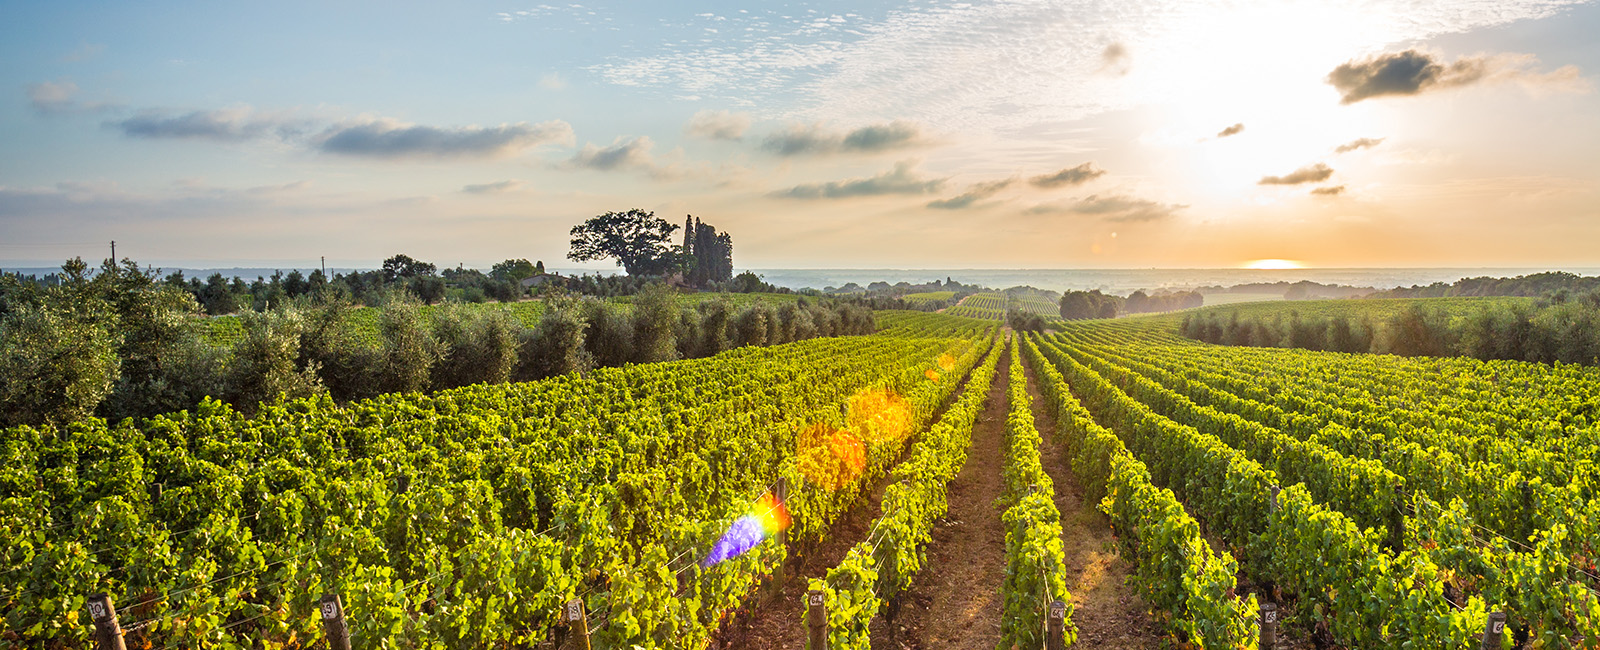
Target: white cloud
[
  {"x": 223, "y": 124},
  {"x": 553, "y": 81},
  {"x": 903, "y": 179}
]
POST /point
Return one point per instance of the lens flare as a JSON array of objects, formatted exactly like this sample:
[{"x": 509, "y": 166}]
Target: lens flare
[
  {"x": 931, "y": 374},
  {"x": 880, "y": 416},
  {"x": 947, "y": 362},
  {"x": 769, "y": 516},
  {"x": 830, "y": 458},
  {"x": 773, "y": 514}
]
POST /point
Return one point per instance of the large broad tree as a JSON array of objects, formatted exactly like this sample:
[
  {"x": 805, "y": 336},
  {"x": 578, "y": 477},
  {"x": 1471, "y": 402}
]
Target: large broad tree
[
  {"x": 637, "y": 239},
  {"x": 402, "y": 266}
]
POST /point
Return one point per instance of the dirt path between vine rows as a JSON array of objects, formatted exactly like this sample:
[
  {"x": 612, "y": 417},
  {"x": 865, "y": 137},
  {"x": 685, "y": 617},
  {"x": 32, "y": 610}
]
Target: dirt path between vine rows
[
  {"x": 777, "y": 624},
  {"x": 955, "y": 604},
  {"x": 1107, "y": 612}
]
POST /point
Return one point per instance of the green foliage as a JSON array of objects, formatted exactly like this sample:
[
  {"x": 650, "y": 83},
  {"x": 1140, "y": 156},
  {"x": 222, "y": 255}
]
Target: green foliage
[
  {"x": 1443, "y": 427},
  {"x": 1079, "y": 305},
  {"x": 555, "y": 347},
  {"x": 515, "y": 270},
  {"x": 262, "y": 364},
  {"x": 476, "y": 347},
  {"x": 56, "y": 364},
  {"x": 409, "y": 350},
  {"x": 1035, "y": 564},
  {"x": 655, "y": 317},
  {"x": 456, "y": 519},
  {"x": 1176, "y": 569}
]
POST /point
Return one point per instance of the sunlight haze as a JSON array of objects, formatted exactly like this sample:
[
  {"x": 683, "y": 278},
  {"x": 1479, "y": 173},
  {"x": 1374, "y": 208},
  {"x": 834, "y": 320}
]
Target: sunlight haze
[{"x": 1101, "y": 134}]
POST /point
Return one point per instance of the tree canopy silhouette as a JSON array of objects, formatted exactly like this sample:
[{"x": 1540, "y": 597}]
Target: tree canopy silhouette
[{"x": 637, "y": 239}]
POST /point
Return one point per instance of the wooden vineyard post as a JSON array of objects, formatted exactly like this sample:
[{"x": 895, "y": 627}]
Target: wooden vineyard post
[
  {"x": 1274, "y": 498},
  {"x": 577, "y": 621},
  {"x": 891, "y": 574},
  {"x": 1269, "y": 626},
  {"x": 1054, "y": 626},
  {"x": 817, "y": 620},
  {"x": 1494, "y": 630},
  {"x": 333, "y": 621},
  {"x": 107, "y": 631}
]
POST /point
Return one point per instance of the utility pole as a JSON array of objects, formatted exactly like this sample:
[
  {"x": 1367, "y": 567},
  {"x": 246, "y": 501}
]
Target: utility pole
[
  {"x": 113, "y": 252},
  {"x": 324, "y": 266}
]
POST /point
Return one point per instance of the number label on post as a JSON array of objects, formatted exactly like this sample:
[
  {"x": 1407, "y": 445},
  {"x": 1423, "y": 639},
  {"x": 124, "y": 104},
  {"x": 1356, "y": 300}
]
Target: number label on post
[
  {"x": 816, "y": 599},
  {"x": 574, "y": 610},
  {"x": 1499, "y": 627},
  {"x": 97, "y": 610},
  {"x": 1058, "y": 609},
  {"x": 1271, "y": 615},
  {"x": 330, "y": 610}
]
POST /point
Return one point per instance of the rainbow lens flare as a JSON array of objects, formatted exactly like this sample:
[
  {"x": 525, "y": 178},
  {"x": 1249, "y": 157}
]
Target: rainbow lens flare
[
  {"x": 947, "y": 362},
  {"x": 769, "y": 516}
]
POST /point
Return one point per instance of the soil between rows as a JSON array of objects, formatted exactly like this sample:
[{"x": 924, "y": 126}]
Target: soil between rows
[{"x": 955, "y": 603}]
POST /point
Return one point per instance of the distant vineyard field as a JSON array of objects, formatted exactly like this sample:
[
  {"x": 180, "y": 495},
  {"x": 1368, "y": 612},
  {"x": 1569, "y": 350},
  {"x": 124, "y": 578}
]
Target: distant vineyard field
[
  {"x": 939, "y": 297},
  {"x": 994, "y": 305},
  {"x": 1234, "y": 298}
]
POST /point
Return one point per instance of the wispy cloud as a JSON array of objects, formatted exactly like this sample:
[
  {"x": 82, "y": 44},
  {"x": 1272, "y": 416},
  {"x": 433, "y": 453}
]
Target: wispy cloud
[
  {"x": 222, "y": 125},
  {"x": 1308, "y": 174},
  {"x": 815, "y": 139},
  {"x": 1068, "y": 177},
  {"x": 1111, "y": 207},
  {"x": 1358, "y": 143},
  {"x": 1335, "y": 190},
  {"x": 1232, "y": 130},
  {"x": 392, "y": 139},
  {"x": 52, "y": 97},
  {"x": 84, "y": 52},
  {"x": 553, "y": 81},
  {"x": 60, "y": 98},
  {"x": 499, "y": 187},
  {"x": 637, "y": 154},
  {"x": 718, "y": 125},
  {"x": 975, "y": 193},
  {"x": 903, "y": 179},
  {"x": 624, "y": 153},
  {"x": 1414, "y": 71}
]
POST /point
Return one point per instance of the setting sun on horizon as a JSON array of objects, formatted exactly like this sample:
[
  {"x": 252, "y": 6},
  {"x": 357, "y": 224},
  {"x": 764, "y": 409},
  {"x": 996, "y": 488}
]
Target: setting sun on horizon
[{"x": 1273, "y": 264}]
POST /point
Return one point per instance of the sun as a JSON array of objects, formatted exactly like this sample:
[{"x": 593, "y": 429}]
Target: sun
[{"x": 1273, "y": 264}]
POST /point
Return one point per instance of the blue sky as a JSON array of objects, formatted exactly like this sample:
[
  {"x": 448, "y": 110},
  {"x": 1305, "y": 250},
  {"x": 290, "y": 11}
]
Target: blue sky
[{"x": 826, "y": 134}]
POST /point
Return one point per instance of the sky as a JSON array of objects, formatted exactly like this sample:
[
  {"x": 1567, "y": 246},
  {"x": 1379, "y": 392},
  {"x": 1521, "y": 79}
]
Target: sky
[{"x": 915, "y": 134}]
